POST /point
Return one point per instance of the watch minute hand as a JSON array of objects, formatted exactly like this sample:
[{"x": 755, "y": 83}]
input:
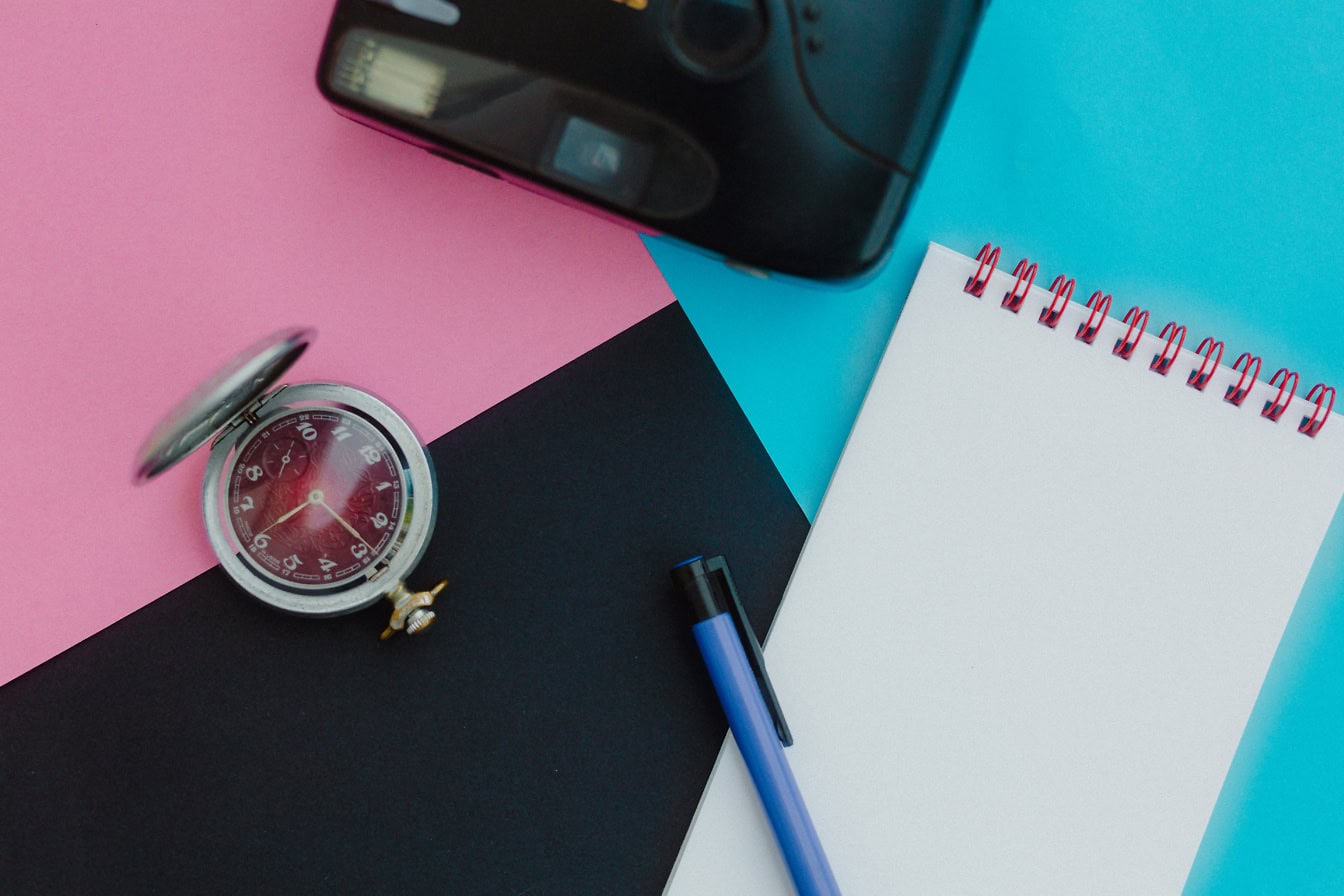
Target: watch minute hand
[{"x": 286, "y": 516}]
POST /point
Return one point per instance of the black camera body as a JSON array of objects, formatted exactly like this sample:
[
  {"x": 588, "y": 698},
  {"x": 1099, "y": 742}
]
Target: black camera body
[{"x": 783, "y": 135}]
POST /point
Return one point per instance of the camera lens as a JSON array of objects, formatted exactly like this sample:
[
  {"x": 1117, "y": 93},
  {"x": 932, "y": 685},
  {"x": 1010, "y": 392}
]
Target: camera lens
[{"x": 717, "y": 37}]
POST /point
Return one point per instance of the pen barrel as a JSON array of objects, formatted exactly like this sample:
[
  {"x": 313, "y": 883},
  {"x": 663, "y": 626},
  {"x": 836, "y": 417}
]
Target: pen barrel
[{"x": 754, "y": 731}]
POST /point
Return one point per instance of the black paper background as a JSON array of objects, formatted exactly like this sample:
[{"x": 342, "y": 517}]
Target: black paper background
[{"x": 551, "y": 734}]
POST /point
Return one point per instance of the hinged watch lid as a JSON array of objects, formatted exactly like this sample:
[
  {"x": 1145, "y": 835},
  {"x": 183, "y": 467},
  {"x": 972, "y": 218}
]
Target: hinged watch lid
[{"x": 199, "y": 416}]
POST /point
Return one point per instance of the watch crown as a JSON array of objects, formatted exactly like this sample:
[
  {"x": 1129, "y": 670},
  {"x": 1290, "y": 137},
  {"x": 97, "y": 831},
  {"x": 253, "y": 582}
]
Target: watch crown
[
  {"x": 418, "y": 620},
  {"x": 410, "y": 610}
]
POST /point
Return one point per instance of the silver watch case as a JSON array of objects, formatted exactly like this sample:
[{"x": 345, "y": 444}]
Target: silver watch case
[
  {"x": 399, "y": 559},
  {"x": 242, "y": 396}
]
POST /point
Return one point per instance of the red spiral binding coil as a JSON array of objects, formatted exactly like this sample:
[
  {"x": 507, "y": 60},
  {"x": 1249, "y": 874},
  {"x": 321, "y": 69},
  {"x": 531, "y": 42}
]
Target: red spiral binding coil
[
  {"x": 1212, "y": 350},
  {"x": 1174, "y": 333},
  {"x": 1087, "y": 331},
  {"x": 988, "y": 255},
  {"x": 1063, "y": 291},
  {"x": 1237, "y": 394},
  {"x": 1319, "y": 392},
  {"x": 1273, "y": 410},
  {"x": 1026, "y": 275},
  {"x": 1124, "y": 346}
]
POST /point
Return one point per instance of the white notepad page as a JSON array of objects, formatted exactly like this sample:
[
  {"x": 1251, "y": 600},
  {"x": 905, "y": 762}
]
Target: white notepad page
[{"x": 1036, "y": 607}]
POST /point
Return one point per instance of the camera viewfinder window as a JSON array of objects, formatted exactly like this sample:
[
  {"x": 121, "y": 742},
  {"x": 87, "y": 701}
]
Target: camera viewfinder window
[{"x": 609, "y": 164}]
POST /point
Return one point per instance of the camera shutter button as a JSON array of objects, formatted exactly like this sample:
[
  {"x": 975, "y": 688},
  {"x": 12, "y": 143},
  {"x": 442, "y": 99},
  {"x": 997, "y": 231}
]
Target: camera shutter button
[{"x": 717, "y": 37}]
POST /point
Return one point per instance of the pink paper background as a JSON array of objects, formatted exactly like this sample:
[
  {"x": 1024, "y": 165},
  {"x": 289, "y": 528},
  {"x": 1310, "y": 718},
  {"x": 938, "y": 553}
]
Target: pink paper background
[{"x": 172, "y": 186}]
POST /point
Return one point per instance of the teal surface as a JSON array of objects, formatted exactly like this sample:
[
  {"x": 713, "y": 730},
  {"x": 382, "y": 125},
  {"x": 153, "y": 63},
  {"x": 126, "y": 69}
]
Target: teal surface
[{"x": 1184, "y": 157}]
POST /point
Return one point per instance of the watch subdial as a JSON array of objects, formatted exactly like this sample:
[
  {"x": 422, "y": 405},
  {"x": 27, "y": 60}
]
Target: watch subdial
[{"x": 285, "y": 459}]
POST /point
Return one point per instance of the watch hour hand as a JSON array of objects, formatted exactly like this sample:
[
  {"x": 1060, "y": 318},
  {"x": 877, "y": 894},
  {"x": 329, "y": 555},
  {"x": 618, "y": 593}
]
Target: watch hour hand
[{"x": 349, "y": 528}]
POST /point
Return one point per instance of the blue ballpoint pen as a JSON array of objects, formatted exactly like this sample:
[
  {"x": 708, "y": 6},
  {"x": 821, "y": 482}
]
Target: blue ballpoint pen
[{"x": 721, "y": 629}]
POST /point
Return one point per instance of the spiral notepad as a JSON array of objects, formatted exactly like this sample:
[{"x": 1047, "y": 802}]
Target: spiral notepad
[{"x": 1040, "y": 597}]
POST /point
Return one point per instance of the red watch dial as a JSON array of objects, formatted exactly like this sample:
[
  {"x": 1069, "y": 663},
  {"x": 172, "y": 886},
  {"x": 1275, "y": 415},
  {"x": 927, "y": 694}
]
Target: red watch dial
[{"x": 316, "y": 498}]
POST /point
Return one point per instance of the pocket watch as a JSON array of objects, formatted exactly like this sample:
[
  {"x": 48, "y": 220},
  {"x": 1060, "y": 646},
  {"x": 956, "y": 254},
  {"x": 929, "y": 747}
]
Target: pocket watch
[{"x": 319, "y": 499}]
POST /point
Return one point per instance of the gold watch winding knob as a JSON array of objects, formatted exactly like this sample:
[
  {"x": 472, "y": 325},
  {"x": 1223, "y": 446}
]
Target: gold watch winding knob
[{"x": 410, "y": 610}]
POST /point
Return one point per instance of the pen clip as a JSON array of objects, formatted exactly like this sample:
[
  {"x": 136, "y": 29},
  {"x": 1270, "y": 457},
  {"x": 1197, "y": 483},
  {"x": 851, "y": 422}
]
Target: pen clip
[{"x": 717, "y": 567}]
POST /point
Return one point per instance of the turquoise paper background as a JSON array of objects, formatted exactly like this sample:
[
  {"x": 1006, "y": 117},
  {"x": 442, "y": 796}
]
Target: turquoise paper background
[{"x": 1181, "y": 156}]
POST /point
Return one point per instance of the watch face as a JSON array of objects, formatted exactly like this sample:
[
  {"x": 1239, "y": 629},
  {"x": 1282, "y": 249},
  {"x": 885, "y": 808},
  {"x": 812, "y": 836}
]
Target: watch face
[{"x": 315, "y": 498}]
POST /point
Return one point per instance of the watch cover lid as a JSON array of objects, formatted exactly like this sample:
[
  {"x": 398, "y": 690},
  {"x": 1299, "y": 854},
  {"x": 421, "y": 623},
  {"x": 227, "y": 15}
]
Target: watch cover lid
[{"x": 198, "y": 417}]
